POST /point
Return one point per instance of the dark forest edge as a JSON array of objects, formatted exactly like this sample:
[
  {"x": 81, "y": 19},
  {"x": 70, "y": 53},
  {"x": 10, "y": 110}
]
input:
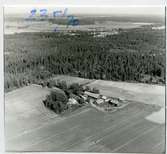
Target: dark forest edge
[{"x": 135, "y": 55}]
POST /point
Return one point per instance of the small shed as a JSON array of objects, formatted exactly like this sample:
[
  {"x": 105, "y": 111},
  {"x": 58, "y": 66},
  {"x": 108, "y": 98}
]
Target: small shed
[
  {"x": 72, "y": 101},
  {"x": 100, "y": 101},
  {"x": 104, "y": 97},
  {"x": 114, "y": 102},
  {"x": 107, "y": 100},
  {"x": 74, "y": 97},
  {"x": 85, "y": 97}
]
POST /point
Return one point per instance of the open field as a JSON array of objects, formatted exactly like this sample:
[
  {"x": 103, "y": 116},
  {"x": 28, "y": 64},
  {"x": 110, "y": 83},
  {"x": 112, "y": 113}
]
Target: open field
[
  {"x": 31, "y": 127},
  {"x": 70, "y": 79}
]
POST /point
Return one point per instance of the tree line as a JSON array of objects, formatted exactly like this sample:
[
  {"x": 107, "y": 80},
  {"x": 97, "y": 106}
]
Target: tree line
[{"x": 132, "y": 55}]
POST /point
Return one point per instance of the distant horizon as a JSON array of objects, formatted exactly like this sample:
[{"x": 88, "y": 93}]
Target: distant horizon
[{"x": 114, "y": 11}]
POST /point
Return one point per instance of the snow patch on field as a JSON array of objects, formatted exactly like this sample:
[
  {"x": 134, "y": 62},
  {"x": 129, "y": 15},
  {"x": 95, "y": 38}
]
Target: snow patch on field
[
  {"x": 157, "y": 117},
  {"x": 135, "y": 87}
]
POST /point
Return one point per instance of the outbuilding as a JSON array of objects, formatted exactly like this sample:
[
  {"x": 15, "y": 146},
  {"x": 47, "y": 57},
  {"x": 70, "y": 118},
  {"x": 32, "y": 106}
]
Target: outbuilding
[
  {"x": 114, "y": 102},
  {"x": 100, "y": 101},
  {"x": 92, "y": 95},
  {"x": 72, "y": 101}
]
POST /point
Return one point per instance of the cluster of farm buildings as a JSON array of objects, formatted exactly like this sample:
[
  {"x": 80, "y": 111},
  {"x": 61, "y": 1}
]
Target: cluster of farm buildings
[
  {"x": 79, "y": 97},
  {"x": 98, "y": 100}
]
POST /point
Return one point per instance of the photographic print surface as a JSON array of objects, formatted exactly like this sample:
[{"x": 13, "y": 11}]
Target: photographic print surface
[{"x": 88, "y": 79}]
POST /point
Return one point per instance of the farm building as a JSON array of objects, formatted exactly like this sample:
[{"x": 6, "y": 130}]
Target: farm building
[
  {"x": 100, "y": 101},
  {"x": 104, "y": 97},
  {"x": 74, "y": 97},
  {"x": 107, "y": 100},
  {"x": 92, "y": 95},
  {"x": 72, "y": 101},
  {"x": 114, "y": 101},
  {"x": 85, "y": 97}
]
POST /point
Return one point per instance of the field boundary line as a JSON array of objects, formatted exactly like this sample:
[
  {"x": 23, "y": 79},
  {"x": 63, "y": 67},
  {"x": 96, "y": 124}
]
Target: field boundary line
[
  {"x": 45, "y": 124},
  {"x": 118, "y": 148},
  {"x": 90, "y": 138},
  {"x": 50, "y": 137}
]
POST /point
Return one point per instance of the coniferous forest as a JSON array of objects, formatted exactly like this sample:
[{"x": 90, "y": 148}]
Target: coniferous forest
[{"x": 134, "y": 55}]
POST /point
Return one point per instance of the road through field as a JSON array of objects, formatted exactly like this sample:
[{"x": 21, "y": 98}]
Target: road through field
[{"x": 29, "y": 126}]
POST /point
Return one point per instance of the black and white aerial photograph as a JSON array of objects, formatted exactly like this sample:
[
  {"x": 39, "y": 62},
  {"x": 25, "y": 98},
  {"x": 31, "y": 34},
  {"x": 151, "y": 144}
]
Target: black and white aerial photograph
[{"x": 84, "y": 79}]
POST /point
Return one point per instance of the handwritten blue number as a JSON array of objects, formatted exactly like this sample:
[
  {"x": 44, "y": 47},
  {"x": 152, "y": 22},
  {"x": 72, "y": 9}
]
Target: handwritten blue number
[
  {"x": 43, "y": 12},
  {"x": 33, "y": 12},
  {"x": 75, "y": 22},
  {"x": 72, "y": 21},
  {"x": 57, "y": 13}
]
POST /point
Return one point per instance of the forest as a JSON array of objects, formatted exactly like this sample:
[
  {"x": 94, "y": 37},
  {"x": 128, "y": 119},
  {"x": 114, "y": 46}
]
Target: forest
[{"x": 132, "y": 55}]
